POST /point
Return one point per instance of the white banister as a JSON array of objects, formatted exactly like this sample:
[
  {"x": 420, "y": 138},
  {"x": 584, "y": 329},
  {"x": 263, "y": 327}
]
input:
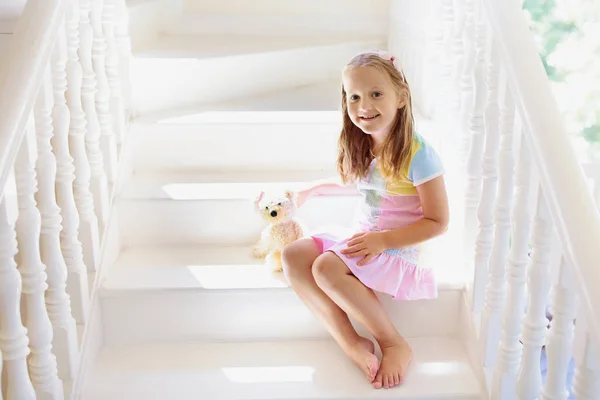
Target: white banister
[
  {"x": 94, "y": 95},
  {"x": 496, "y": 289},
  {"x": 72, "y": 249},
  {"x": 574, "y": 212},
  {"x": 52, "y": 117},
  {"x": 42, "y": 363},
  {"x": 44, "y": 286},
  {"x": 111, "y": 144},
  {"x": 88, "y": 228},
  {"x": 586, "y": 382},
  {"x": 560, "y": 336},
  {"x": 20, "y": 77},
  {"x": 14, "y": 343},
  {"x": 504, "y": 382},
  {"x": 474, "y": 177}
]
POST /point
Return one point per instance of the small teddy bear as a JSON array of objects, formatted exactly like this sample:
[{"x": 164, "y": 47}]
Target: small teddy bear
[{"x": 282, "y": 230}]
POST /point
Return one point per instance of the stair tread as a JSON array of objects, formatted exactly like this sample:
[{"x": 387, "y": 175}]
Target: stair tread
[
  {"x": 302, "y": 369},
  {"x": 213, "y": 268},
  {"x": 218, "y": 185},
  {"x": 208, "y": 46}
]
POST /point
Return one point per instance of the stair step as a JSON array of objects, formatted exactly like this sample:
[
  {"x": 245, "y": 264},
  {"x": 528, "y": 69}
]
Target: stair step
[
  {"x": 207, "y": 69},
  {"x": 217, "y": 207},
  {"x": 183, "y": 293},
  {"x": 307, "y": 369}
]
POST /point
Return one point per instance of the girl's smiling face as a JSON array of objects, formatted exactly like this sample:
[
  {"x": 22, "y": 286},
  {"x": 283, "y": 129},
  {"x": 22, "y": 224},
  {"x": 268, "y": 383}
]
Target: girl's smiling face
[{"x": 372, "y": 101}]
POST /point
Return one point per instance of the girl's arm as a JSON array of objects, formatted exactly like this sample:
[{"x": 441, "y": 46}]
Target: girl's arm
[
  {"x": 326, "y": 187},
  {"x": 434, "y": 202}
]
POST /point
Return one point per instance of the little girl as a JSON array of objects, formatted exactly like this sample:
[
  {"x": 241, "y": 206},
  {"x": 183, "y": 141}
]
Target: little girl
[{"x": 399, "y": 178}]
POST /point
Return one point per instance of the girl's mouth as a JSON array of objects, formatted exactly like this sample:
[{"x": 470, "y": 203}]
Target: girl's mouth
[{"x": 369, "y": 117}]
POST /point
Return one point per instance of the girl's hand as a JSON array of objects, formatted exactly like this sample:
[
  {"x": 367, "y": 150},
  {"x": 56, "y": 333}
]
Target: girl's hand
[{"x": 365, "y": 244}]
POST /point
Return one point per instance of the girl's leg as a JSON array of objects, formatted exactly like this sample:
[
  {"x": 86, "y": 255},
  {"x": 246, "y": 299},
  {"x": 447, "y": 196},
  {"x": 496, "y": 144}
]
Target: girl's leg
[
  {"x": 298, "y": 259},
  {"x": 336, "y": 280}
]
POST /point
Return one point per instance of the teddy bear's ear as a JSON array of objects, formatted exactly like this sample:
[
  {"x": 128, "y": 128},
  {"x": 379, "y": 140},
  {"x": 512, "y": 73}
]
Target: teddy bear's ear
[
  {"x": 258, "y": 199},
  {"x": 290, "y": 195}
]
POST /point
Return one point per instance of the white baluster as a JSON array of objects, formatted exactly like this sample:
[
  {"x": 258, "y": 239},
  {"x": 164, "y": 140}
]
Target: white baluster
[
  {"x": 529, "y": 381},
  {"x": 509, "y": 355},
  {"x": 458, "y": 51},
  {"x": 52, "y": 119},
  {"x": 124, "y": 46},
  {"x": 69, "y": 121},
  {"x": 42, "y": 363},
  {"x": 117, "y": 104},
  {"x": 13, "y": 335},
  {"x": 586, "y": 381},
  {"x": 94, "y": 97},
  {"x": 496, "y": 289},
  {"x": 483, "y": 243},
  {"x": 560, "y": 336},
  {"x": 474, "y": 177},
  {"x": 88, "y": 229},
  {"x": 467, "y": 89}
]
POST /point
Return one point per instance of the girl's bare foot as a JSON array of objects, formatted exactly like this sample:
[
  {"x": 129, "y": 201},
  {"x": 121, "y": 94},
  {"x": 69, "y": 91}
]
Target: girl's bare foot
[
  {"x": 363, "y": 355},
  {"x": 394, "y": 362}
]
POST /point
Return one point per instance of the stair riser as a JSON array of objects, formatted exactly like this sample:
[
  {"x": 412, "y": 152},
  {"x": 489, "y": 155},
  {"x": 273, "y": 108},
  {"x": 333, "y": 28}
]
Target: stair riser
[
  {"x": 266, "y": 25},
  {"x": 217, "y": 221},
  {"x": 168, "y": 83},
  {"x": 175, "y": 147},
  {"x": 186, "y": 315}
]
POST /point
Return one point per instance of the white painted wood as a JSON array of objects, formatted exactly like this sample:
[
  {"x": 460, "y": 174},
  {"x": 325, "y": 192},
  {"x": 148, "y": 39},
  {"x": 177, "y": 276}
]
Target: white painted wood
[
  {"x": 314, "y": 369},
  {"x": 66, "y": 119},
  {"x": 194, "y": 70},
  {"x": 509, "y": 352},
  {"x": 495, "y": 295},
  {"x": 559, "y": 343},
  {"x": 94, "y": 97},
  {"x": 88, "y": 228},
  {"x": 474, "y": 173},
  {"x": 30, "y": 50},
  {"x": 467, "y": 88},
  {"x": 42, "y": 362},
  {"x": 123, "y": 42},
  {"x": 14, "y": 343},
  {"x": 489, "y": 167},
  {"x": 529, "y": 380},
  {"x": 191, "y": 287},
  {"x": 571, "y": 208},
  {"x": 586, "y": 382},
  {"x": 51, "y": 119},
  {"x": 117, "y": 104},
  {"x": 108, "y": 143}
]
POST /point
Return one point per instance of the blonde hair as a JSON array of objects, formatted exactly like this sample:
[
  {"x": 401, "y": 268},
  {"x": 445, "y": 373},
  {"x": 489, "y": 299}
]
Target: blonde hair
[{"x": 354, "y": 146}]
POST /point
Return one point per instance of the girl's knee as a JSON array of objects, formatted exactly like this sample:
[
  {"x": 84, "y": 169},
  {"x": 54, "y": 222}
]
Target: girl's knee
[
  {"x": 299, "y": 254},
  {"x": 326, "y": 270}
]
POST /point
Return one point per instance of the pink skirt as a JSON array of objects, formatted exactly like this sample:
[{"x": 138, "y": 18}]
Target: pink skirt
[{"x": 385, "y": 273}]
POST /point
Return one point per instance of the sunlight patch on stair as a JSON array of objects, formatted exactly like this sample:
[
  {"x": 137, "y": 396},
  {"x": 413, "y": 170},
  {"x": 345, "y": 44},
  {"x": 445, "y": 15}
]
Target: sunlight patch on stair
[
  {"x": 441, "y": 368},
  {"x": 234, "y": 277},
  {"x": 269, "y": 374},
  {"x": 227, "y": 191}
]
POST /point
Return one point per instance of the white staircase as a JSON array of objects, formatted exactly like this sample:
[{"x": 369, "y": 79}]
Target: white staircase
[
  {"x": 223, "y": 100},
  {"x": 221, "y": 118}
]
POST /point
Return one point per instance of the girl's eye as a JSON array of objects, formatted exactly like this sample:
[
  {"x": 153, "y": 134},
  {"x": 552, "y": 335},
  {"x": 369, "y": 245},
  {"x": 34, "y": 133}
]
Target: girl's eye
[
  {"x": 377, "y": 94},
  {"x": 353, "y": 97}
]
